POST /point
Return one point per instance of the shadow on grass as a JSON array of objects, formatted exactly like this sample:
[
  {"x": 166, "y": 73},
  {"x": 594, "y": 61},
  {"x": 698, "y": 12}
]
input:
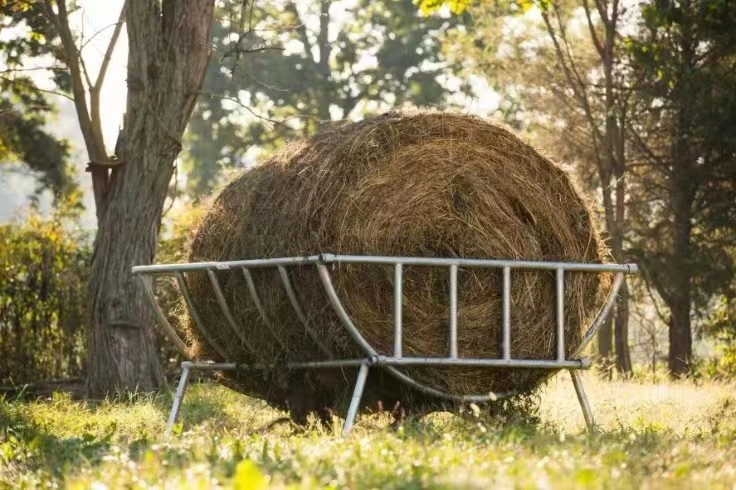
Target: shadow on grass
[
  {"x": 198, "y": 407},
  {"x": 32, "y": 443},
  {"x": 28, "y": 446}
]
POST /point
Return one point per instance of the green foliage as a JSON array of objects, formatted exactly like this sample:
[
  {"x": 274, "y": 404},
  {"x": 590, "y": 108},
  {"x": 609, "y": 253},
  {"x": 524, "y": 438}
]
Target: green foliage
[
  {"x": 281, "y": 71},
  {"x": 24, "y": 108},
  {"x": 652, "y": 436},
  {"x": 43, "y": 294},
  {"x": 669, "y": 109},
  {"x": 721, "y": 326},
  {"x": 44, "y": 269},
  {"x": 456, "y": 6},
  {"x": 684, "y": 62}
]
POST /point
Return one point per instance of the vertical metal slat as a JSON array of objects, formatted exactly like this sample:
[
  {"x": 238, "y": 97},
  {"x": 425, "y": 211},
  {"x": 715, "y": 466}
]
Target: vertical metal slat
[
  {"x": 506, "y": 336},
  {"x": 453, "y": 311},
  {"x": 398, "y": 310},
  {"x": 560, "y": 294}
]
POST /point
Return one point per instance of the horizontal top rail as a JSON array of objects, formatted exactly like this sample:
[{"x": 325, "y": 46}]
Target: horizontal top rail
[
  {"x": 223, "y": 266},
  {"x": 381, "y": 260}
]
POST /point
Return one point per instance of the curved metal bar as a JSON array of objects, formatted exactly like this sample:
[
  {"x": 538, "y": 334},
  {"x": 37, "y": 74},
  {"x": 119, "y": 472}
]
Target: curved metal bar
[
  {"x": 324, "y": 276},
  {"x": 169, "y": 331},
  {"x": 601, "y": 317},
  {"x": 226, "y": 311},
  {"x": 488, "y": 397},
  {"x": 195, "y": 316},
  {"x": 259, "y": 306},
  {"x": 286, "y": 281}
]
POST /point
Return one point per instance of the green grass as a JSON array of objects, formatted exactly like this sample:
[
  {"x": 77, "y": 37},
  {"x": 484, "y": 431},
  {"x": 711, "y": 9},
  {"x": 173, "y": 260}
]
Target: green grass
[{"x": 653, "y": 435}]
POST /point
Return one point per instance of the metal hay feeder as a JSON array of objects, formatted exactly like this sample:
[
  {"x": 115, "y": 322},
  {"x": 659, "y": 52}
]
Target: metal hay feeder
[{"x": 371, "y": 358}]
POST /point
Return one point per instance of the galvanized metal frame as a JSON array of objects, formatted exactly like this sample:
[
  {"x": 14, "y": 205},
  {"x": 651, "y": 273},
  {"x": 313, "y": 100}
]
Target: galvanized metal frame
[{"x": 373, "y": 358}]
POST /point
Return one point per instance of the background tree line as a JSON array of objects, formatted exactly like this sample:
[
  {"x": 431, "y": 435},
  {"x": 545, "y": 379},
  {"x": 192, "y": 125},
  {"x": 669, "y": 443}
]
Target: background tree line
[{"x": 637, "y": 98}]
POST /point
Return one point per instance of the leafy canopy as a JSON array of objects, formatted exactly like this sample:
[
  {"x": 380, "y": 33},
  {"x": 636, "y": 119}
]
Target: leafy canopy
[{"x": 30, "y": 50}]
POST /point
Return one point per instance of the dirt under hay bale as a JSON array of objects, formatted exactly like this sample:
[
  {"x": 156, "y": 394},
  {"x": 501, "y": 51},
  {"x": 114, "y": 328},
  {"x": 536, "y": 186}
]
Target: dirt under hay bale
[{"x": 421, "y": 184}]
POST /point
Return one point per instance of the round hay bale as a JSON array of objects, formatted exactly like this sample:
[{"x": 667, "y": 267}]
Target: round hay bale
[{"x": 421, "y": 184}]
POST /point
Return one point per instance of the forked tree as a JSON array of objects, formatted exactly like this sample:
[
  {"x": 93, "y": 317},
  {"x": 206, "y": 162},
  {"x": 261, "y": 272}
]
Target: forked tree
[{"x": 169, "y": 49}]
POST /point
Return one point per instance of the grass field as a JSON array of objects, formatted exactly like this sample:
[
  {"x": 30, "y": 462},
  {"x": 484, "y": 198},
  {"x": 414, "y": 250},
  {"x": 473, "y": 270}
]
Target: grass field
[{"x": 652, "y": 435}]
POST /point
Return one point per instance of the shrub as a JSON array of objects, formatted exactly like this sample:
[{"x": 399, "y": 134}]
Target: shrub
[{"x": 43, "y": 284}]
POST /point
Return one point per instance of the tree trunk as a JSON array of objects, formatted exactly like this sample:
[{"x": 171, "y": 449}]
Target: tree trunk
[
  {"x": 122, "y": 355},
  {"x": 605, "y": 338},
  {"x": 680, "y": 339},
  {"x": 325, "y": 95},
  {"x": 623, "y": 357},
  {"x": 683, "y": 185},
  {"x": 615, "y": 165},
  {"x": 605, "y": 346},
  {"x": 605, "y": 335},
  {"x": 680, "y": 330},
  {"x": 621, "y": 329},
  {"x": 169, "y": 48}
]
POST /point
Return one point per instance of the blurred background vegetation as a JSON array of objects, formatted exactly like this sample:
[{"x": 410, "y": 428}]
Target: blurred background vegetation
[{"x": 637, "y": 99}]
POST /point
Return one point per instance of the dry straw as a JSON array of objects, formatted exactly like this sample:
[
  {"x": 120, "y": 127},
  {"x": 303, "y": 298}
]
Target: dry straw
[{"x": 420, "y": 184}]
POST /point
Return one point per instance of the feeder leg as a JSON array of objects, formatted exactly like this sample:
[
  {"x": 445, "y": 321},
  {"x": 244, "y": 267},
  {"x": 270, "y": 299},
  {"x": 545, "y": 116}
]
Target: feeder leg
[
  {"x": 355, "y": 402},
  {"x": 577, "y": 382},
  {"x": 178, "y": 396}
]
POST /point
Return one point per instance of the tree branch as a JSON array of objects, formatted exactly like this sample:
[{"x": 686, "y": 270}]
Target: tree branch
[
  {"x": 34, "y": 87},
  {"x": 322, "y": 39},
  {"x": 301, "y": 30},
  {"x": 96, "y": 88},
  {"x": 110, "y": 48},
  {"x": 95, "y": 34},
  {"x": 573, "y": 80},
  {"x": 648, "y": 151},
  {"x": 591, "y": 28},
  {"x": 602, "y": 8},
  {"x": 244, "y": 106},
  {"x": 95, "y": 146}
]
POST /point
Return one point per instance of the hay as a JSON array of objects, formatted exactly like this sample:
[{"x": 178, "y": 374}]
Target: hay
[{"x": 422, "y": 184}]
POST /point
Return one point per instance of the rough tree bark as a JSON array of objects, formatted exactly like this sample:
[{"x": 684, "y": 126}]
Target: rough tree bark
[
  {"x": 683, "y": 186},
  {"x": 605, "y": 338},
  {"x": 169, "y": 48},
  {"x": 680, "y": 333},
  {"x": 682, "y": 194}
]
